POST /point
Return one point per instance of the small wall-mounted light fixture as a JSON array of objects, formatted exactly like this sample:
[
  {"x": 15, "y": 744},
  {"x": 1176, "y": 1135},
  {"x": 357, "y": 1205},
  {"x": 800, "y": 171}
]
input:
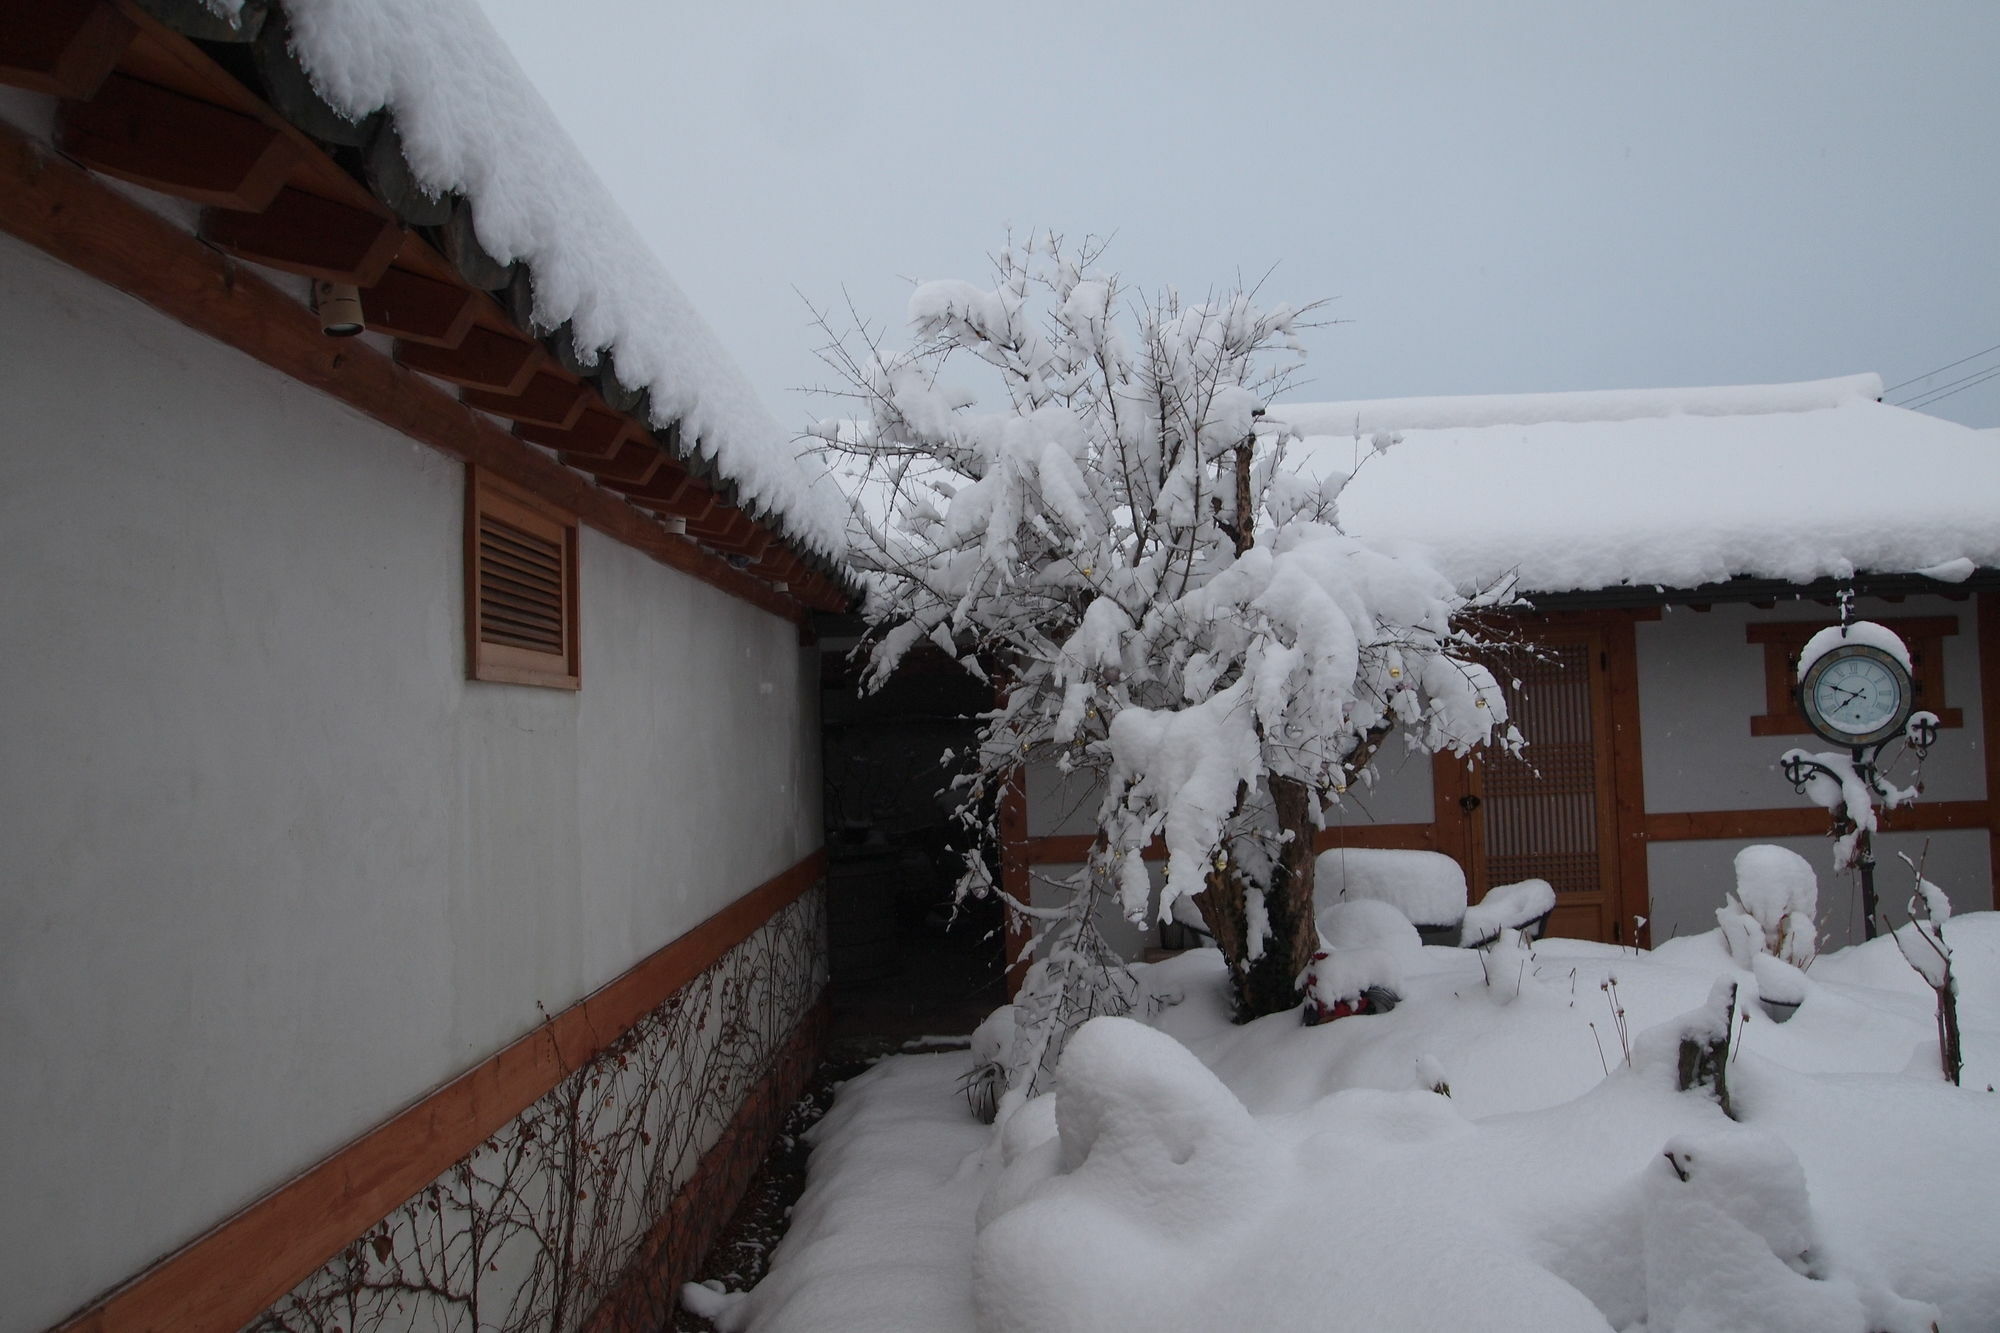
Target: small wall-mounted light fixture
[
  {"x": 678, "y": 526},
  {"x": 339, "y": 306}
]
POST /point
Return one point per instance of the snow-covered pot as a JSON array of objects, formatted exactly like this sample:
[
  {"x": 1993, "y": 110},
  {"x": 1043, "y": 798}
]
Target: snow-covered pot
[{"x": 1778, "y": 1010}]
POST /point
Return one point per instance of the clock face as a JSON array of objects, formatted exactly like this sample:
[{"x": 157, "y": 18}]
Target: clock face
[{"x": 1856, "y": 695}]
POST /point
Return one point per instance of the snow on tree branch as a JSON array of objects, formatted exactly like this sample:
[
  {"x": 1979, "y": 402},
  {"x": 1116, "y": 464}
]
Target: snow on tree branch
[{"x": 1075, "y": 487}]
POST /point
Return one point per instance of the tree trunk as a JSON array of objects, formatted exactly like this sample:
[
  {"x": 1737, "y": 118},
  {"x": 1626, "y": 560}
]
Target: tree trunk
[{"x": 1269, "y": 984}]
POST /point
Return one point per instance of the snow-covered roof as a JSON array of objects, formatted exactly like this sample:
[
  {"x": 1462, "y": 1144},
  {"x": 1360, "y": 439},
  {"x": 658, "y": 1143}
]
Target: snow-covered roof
[
  {"x": 1675, "y": 487},
  {"x": 471, "y": 123}
]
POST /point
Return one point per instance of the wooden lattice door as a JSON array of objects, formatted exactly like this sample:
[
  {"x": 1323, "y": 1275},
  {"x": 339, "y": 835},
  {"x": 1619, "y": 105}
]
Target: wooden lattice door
[{"x": 1551, "y": 814}]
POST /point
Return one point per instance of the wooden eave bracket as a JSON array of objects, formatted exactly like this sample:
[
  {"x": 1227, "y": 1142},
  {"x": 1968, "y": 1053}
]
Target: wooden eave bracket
[
  {"x": 548, "y": 400},
  {"x": 417, "y": 309},
  {"x": 302, "y": 233},
  {"x": 596, "y": 434},
  {"x": 635, "y": 463},
  {"x": 64, "y": 48},
  {"x": 494, "y": 363},
  {"x": 177, "y": 145}
]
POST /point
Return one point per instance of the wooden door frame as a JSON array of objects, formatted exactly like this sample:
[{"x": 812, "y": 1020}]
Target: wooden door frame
[{"x": 1621, "y": 794}]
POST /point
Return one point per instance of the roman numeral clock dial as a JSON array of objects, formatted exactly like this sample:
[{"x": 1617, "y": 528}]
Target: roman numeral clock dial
[{"x": 1856, "y": 694}]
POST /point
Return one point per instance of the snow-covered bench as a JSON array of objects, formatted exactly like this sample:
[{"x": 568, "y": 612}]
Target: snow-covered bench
[
  {"x": 1524, "y": 907},
  {"x": 1426, "y": 887}
]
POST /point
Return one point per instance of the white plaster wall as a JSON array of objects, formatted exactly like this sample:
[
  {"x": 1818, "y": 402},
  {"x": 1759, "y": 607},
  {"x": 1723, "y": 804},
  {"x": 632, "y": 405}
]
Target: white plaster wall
[
  {"x": 1689, "y": 879},
  {"x": 273, "y": 868},
  {"x": 1700, "y": 683},
  {"x": 1048, "y": 886},
  {"x": 1399, "y": 794}
]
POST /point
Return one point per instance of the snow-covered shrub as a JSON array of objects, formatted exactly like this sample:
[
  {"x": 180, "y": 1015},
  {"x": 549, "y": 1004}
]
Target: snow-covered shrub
[
  {"x": 1773, "y": 909},
  {"x": 1924, "y": 948},
  {"x": 1115, "y": 539}
]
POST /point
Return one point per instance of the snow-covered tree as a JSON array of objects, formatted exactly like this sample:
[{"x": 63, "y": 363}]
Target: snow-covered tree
[{"x": 1162, "y": 602}]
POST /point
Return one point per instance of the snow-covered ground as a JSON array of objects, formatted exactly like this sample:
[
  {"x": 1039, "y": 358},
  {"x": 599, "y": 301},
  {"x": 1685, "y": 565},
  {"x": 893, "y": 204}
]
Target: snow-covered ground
[{"x": 1187, "y": 1173}]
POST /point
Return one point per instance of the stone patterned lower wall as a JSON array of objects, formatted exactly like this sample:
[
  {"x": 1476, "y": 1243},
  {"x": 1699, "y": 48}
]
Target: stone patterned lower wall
[{"x": 590, "y": 1207}]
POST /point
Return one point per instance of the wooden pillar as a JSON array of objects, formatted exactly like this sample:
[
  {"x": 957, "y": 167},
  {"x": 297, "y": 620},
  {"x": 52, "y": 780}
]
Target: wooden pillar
[
  {"x": 1628, "y": 775},
  {"x": 1014, "y": 874},
  {"x": 1989, "y": 715}
]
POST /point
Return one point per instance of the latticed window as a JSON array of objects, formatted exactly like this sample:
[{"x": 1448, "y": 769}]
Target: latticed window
[{"x": 520, "y": 586}]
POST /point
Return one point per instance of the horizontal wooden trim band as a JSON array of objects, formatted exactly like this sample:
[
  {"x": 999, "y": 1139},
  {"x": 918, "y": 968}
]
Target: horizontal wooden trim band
[
  {"x": 230, "y": 1275},
  {"x": 1809, "y": 821},
  {"x": 1798, "y": 631},
  {"x": 58, "y": 208},
  {"x": 1068, "y": 849},
  {"x": 1074, "y": 848},
  {"x": 1394, "y": 837}
]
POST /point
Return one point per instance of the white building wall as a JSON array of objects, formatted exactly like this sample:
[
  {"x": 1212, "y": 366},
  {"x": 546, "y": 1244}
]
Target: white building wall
[
  {"x": 1700, "y": 683},
  {"x": 274, "y": 868}
]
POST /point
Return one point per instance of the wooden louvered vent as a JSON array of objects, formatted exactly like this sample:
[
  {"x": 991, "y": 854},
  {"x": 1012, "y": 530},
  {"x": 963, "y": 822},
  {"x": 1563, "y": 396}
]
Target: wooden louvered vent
[{"x": 520, "y": 587}]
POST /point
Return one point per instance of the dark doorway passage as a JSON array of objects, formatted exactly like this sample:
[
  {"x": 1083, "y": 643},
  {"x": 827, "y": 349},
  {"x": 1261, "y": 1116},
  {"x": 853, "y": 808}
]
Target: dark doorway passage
[{"x": 907, "y": 961}]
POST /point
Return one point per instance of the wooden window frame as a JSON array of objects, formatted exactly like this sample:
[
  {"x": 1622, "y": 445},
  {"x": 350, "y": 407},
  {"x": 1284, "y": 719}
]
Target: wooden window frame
[
  {"x": 1783, "y": 640},
  {"x": 487, "y": 495}
]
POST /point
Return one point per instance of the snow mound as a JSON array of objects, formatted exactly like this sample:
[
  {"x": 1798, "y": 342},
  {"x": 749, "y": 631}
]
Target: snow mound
[
  {"x": 1426, "y": 887},
  {"x": 1167, "y": 1207},
  {"x": 1365, "y": 923}
]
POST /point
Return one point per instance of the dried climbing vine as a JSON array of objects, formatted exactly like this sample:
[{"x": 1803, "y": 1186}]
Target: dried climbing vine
[{"x": 535, "y": 1227}]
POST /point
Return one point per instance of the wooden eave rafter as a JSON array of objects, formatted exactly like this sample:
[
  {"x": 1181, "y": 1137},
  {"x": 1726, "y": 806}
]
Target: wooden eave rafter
[
  {"x": 150, "y": 106},
  {"x": 1763, "y": 592}
]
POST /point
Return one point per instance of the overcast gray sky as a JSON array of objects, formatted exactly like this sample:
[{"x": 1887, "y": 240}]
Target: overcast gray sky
[{"x": 1500, "y": 197}]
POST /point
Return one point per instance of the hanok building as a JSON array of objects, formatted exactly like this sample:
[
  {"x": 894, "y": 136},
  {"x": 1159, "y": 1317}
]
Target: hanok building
[
  {"x": 1677, "y": 547},
  {"x": 412, "y": 911}
]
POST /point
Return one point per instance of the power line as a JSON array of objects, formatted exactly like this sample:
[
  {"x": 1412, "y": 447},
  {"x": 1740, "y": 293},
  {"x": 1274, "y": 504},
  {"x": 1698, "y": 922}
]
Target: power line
[
  {"x": 1948, "y": 393},
  {"x": 1928, "y": 373},
  {"x": 1935, "y": 388}
]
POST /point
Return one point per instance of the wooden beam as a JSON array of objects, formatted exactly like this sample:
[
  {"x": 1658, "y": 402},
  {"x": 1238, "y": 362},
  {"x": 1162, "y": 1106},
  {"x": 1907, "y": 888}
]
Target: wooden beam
[
  {"x": 228, "y": 1277},
  {"x": 64, "y": 48},
  {"x": 305, "y": 234},
  {"x": 1398, "y": 837},
  {"x": 548, "y": 400},
  {"x": 56, "y": 206},
  {"x": 177, "y": 145},
  {"x": 1012, "y": 818},
  {"x": 1989, "y": 717},
  {"x": 417, "y": 309},
  {"x": 1628, "y": 780},
  {"x": 484, "y": 359},
  {"x": 1809, "y": 821}
]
